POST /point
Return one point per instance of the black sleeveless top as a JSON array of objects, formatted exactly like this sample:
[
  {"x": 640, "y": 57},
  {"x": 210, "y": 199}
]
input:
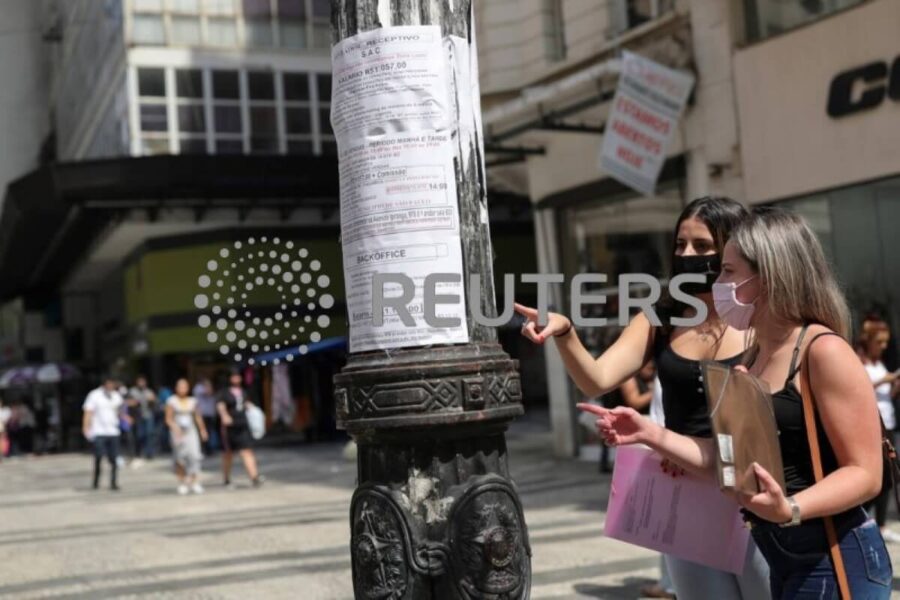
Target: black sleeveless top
[
  {"x": 795, "y": 453},
  {"x": 683, "y": 396}
]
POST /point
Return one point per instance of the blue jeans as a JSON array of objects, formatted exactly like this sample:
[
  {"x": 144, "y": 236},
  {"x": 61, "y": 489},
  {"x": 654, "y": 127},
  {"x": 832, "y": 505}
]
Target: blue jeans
[
  {"x": 147, "y": 437},
  {"x": 698, "y": 582},
  {"x": 106, "y": 446},
  {"x": 800, "y": 564}
]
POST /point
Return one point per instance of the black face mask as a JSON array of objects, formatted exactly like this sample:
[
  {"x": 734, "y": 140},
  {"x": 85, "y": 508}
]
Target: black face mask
[{"x": 709, "y": 265}]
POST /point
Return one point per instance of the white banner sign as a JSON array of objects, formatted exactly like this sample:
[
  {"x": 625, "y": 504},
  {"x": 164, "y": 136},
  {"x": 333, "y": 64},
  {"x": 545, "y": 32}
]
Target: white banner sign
[
  {"x": 399, "y": 214},
  {"x": 645, "y": 111}
]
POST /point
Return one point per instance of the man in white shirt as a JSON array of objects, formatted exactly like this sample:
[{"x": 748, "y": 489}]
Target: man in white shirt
[{"x": 101, "y": 426}]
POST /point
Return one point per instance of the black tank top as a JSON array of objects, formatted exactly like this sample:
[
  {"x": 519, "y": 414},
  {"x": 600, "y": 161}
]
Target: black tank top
[
  {"x": 795, "y": 453},
  {"x": 683, "y": 396}
]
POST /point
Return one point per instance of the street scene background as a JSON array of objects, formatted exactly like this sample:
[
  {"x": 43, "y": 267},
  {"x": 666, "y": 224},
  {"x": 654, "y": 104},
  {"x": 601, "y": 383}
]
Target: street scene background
[{"x": 170, "y": 208}]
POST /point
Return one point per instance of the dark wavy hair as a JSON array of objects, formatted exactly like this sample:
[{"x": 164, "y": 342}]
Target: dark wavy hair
[{"x": 721, "y": 215}]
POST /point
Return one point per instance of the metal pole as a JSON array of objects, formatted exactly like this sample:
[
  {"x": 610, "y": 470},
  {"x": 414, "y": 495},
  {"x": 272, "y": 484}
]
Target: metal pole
[{"x": 435, "y": 514}]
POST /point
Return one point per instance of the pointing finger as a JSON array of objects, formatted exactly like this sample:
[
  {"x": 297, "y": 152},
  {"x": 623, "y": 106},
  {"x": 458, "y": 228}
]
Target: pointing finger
[
  {"x": 526, "y": 311},
  {"x": 592, "y": 408}
]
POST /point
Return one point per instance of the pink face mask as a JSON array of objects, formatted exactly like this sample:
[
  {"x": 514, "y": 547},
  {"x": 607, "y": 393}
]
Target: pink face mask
[{"x": 731, "y": 310}]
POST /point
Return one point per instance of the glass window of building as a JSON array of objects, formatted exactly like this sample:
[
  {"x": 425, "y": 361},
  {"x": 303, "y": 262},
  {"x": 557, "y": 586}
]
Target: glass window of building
[
  {"x": 292, "y": 23},
  {"x": 227, "y": 115},
  {"x": 221, "y": 32},
  {"x": 226, "y": 85},
  {"x": 857, "y": 226},
  {"x": 321, "y": 23},
  {"x": 154, "y": 118},
  {"x": 185, "y": 30},
  {"x": 185, "y": 6},
  {"x": 148, "y": 29},
  {"x": 323, "y": 83},
  {"x": 765, "y": 18},
  {"x": 153, "y": 111},
  {"x": 152, "y": 83},
  {"x": 263, "y": 112},
  {"x": 148, "y": 5},
  {"x": 190, "y": 111},
  {"x": 258, "y": 23},
  {"x": 189, "y": 83},
  {"x": 298, "y": 113},
  {"x": 219, "y": 7}
]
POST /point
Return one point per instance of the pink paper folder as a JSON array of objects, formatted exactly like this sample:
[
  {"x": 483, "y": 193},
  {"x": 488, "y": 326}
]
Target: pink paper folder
[{"x": 687, "y": 516}]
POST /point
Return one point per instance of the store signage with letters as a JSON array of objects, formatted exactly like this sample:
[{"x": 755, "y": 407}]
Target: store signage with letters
[{"x": 878, "y": 80}]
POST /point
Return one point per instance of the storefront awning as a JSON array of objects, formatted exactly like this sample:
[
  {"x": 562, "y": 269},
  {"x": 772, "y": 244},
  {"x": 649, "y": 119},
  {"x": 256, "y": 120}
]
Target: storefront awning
[
  {"x": 293, "y": 353},
  {"x": 51, "y": 217}
]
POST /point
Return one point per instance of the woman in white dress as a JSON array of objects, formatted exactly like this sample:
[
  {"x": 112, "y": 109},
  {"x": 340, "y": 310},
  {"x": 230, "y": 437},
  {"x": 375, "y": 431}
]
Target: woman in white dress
[{"x": 187, "y": 430}]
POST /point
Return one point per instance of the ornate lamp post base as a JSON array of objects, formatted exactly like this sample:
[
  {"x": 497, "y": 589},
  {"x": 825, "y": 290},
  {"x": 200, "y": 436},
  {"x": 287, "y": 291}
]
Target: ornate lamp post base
[{"x": 435, "y": 514}]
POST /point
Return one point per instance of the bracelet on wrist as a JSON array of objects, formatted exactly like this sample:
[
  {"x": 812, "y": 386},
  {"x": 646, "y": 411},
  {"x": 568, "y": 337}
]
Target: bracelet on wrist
[{"x": 566, "y": 332}]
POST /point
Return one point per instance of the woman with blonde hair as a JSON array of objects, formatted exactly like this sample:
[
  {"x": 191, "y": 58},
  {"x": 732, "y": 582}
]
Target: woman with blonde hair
[{"x": 776, "y": 280}]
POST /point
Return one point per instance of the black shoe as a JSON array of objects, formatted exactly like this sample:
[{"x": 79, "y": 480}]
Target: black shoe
[
  {"x": 258, "y": 481},
  {"x": 115, "y": 488}
]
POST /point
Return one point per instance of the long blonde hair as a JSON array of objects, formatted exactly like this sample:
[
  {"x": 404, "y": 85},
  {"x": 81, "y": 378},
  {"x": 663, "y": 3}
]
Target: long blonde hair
[{"x": 788, "y": 257}]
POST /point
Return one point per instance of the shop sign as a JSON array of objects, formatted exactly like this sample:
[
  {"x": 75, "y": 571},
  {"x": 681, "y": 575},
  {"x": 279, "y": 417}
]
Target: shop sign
[
  {"x": 649, "y": 101},
  {"x": 878, "y": 81}
]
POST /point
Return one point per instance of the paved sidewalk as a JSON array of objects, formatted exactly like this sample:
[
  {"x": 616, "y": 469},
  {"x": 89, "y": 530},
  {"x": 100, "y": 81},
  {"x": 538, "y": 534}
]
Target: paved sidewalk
[{"x": 289, "y": 539}]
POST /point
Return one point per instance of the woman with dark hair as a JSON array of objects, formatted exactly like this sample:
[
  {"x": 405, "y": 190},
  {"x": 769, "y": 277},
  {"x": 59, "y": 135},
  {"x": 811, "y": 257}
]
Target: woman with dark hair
[
  {"x": 775, "y": 280},
  {"x": 232, "y": 407},
  {"x": 701, "y": 232}
]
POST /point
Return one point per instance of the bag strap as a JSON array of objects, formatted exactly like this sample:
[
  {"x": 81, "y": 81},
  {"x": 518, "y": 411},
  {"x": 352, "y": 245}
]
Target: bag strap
[
  {"x": 890, "y": 460},
  {"x": 812, "y": 436},
  {"x": 792, "y": 370}
]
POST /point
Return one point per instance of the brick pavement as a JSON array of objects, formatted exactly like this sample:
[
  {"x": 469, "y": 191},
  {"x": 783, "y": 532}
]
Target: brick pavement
[{"x": 59, "y": 539}]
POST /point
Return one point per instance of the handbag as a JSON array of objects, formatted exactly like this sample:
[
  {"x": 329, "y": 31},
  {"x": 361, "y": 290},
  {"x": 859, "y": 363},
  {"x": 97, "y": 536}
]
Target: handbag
[
  {"x": 256, "y": 421},
  {"x": 744, "y": 428}
]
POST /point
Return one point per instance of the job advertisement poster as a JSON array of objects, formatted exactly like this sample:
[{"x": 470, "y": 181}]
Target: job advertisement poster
[
  {"x": 399, "y": 213},
  {"x": 645, "y": 111}
]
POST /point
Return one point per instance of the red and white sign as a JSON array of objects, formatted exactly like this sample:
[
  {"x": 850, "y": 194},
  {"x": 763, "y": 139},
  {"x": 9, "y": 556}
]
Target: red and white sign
[{"x": 649, "y": 101}]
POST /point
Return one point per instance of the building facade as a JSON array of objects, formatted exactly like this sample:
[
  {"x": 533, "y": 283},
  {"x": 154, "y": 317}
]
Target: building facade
[
  {"x": 182, "y": 129},
  {"x": 794, "y": 103}
]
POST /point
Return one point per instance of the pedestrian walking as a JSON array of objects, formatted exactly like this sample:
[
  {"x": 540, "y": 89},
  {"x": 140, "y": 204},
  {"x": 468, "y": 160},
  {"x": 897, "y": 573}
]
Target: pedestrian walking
[
  {"x": 232, "y": 406},
  {"x": 701, "y": 232},
  {"x": 775, "y": 280},
  {"x": 128, "y": 439},
  {"x": 873, "y": 341},
  {"x": 100, "y": 425},
  {"x": 186, "y": 429},
  {"x": 145, "y": 402},
  {"x": 206, "y": 401}
]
